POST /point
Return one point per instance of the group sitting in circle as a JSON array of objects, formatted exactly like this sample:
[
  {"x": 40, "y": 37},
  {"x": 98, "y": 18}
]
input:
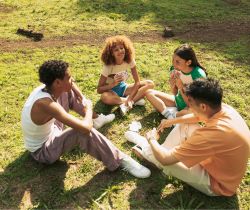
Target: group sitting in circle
[{"x": 208, "y": 136}]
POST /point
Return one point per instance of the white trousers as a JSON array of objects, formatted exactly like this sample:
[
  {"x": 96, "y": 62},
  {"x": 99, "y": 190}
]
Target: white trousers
[{"x": 196, "y": 176}]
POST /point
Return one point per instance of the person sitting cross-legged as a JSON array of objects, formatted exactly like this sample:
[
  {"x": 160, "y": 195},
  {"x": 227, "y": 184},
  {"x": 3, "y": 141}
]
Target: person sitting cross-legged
[
  {"x": 211, "y": 158},
  {"x": 46, "y": 112}
]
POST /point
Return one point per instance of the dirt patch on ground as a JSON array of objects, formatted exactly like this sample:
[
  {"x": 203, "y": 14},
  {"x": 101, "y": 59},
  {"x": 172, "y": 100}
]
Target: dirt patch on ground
[
  {"x": 196, "y": 32},
  {"x": 215, "y": 32},
  {"x": 233, "y": 2},
  {"x": 92, "y": 38}
]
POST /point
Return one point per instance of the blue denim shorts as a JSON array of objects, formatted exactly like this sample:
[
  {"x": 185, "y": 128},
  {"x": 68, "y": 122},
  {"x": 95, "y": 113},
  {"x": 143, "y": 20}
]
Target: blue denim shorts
[{"x": 120, "y": 89}]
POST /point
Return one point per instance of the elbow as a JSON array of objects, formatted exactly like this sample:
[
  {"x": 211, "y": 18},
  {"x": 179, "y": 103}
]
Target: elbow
[
  {"x": 98, "y": 90},
  {"x": 163, "y": 162},
  {"x": 137, "y": 84},
  {"x": 169, "y": 161},
  {"x": 150, "y": 84}
]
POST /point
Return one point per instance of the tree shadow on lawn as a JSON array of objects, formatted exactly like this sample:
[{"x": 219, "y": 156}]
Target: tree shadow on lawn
[
  {"x": 214, "y": 34},
  {"x": 153, "y": 120},
  {"x": 135, "y": 10},
  {"x": 123, "y": 121},
  {"x": 100, "y": 107},
  {"x": 158, "y": 194},
  {"x": 103, "y": 185},
  {"x": 167, "y": 192},
  {"x": 27, "y": 182},
  {"x": 132, "y": 10}
]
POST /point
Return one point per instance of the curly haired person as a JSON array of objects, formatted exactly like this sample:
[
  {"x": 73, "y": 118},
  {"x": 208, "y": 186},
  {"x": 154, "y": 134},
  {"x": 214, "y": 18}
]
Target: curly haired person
[{"x": 118, "y": 56}]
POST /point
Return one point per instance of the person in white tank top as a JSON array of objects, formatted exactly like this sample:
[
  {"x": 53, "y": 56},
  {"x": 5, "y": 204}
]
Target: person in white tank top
[{"x": 46, "y": 112}]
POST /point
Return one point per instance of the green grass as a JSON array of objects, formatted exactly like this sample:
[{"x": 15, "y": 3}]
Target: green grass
[
  {"x": 77, "y": 180},
  {"x": 58, "y": 18}
]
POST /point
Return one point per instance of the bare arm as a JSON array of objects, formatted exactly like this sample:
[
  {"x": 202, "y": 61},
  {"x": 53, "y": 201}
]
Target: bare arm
[
  {"x": 136, "y": 84},
  {"x": 163, "y": 155},
  {"x": 180, "y": 86},
  {"x": 173, "y": 87},
  {"x": 54, "y": 110},
  {"x": 78, "y": 92},
  {"x": 103, "y": 87},
  {"x": 185, "y": 98},
  {"x": 188, "y": 118}
]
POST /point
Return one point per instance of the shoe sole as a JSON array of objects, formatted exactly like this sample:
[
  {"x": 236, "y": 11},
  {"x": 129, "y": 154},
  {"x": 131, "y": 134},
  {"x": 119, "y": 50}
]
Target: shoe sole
[{"x": 138, "y": 152}]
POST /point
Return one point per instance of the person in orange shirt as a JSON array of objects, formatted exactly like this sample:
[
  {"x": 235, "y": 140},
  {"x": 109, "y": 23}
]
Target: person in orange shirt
[{"x": 211, "y": 158}]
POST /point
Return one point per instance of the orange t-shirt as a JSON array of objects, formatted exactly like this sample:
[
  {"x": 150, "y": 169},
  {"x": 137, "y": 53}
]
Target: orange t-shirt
[{"x": 221, "y": 147}]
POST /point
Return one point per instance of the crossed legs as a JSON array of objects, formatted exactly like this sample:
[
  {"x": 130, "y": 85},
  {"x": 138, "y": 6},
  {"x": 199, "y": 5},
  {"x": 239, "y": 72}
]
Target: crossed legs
[
  {"x": 112, "y": 98},
  {"x": 195, "y": 176}
]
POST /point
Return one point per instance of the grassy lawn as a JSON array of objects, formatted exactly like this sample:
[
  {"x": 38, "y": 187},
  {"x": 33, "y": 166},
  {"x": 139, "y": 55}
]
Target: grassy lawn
[{"x": 74, "y": 31}]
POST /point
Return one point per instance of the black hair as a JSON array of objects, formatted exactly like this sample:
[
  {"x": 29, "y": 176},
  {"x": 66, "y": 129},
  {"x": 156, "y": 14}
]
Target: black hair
[
  {"x": 51, "y": 70},
  {"x": 206, "y": 91},
  {"x": 186, "y": 52}
]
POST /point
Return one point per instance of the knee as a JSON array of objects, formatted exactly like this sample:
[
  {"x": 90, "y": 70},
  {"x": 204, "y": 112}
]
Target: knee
[
  {"x": 105, "y": 98},
  {"x": 149, "y": 84},
  {"x": 149, "y": 92}
]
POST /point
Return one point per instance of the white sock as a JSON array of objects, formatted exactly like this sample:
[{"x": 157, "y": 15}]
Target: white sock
[
  {"x": 165, "y": 112},
  {"x": 169, "y": 113}
]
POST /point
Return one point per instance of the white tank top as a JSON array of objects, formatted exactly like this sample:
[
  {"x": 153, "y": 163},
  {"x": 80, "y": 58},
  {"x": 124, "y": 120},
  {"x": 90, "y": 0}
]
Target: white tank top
[{"x": 36, "y": 135}]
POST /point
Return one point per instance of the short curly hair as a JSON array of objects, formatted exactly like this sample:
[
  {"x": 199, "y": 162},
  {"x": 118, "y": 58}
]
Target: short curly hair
[
  {"x": 51, "y": 70},
  {"x": 110, "y": 43},
  {"x": 206, "y": 91}
]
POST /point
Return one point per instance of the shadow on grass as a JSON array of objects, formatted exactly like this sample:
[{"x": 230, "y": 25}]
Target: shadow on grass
[
  {"x": 103, "y": 185},
  {"x": 160, "y": 11},
  {"x": 170, "y": 193},
  {"x": 27, "y": 182},
  {"x": 153, "y": 120},
  {"x": 100, "y": 107},
  {"x": 199, "y": 27}
]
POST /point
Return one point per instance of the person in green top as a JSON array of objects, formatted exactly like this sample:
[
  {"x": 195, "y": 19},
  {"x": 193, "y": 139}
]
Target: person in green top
[{"x": 185, "y": 70}]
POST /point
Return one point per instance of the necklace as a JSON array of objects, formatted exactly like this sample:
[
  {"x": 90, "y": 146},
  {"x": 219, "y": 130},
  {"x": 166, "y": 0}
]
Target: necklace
[{"x": 49, "y": 92}]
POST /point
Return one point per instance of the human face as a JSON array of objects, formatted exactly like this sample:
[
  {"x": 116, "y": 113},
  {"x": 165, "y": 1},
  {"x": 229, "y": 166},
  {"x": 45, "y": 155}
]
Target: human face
[
  {"x": 181, "y": 64},
  {"x": 199, "y": 110},
  {"x": 119, "y": 53},
  {"x": 67, "y": 81}
]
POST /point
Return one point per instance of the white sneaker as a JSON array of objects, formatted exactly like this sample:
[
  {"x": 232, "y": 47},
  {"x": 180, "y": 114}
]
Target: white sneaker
[
  {"x": 136, "y": 138},
  {"x": 102, "y": 120},
  {"x": 135, "y": 168},
  {"x": 123, "y": 109},
  {"x": 140, "y": 102}
]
